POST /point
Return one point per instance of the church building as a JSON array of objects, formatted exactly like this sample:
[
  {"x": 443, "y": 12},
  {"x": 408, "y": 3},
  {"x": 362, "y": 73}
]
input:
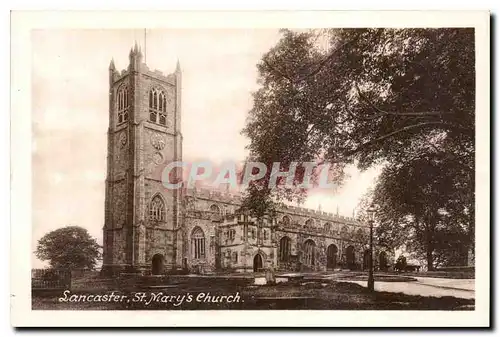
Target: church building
[{"x": 154, "y": 230}]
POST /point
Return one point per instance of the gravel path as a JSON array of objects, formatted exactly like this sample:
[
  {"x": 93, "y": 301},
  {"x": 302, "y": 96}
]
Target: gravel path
[{"x": 424, "y": 287}]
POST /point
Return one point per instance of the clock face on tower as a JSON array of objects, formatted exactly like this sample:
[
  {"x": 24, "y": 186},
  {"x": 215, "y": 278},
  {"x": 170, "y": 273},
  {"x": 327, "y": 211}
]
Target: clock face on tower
[
  {"x": 158, "y": 141},
  {"x": 123, "y": 139}
]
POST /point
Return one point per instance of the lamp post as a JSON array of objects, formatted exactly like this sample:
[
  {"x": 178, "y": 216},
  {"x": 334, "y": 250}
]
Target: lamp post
[{"x": 371, "y": 215}]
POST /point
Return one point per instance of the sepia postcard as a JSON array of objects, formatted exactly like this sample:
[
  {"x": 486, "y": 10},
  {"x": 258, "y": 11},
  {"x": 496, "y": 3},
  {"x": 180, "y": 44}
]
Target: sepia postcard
[{"x": 261, "y": 169}]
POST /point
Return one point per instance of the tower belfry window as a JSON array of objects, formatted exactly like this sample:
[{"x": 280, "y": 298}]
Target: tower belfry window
[
  {"x": 122, "y": 104},
  {"x": 158, "y": 106}
]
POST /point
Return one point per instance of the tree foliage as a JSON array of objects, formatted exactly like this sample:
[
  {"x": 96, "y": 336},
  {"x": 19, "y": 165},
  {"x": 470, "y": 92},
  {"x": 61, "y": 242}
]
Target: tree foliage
[
  {"x": 400, "y": 263},
  {"x": 426, "y": 205},
  {"x": 373, "y": 96},
  {"x": 402, "y": 98},
  {"x": 69, "y": 247}
]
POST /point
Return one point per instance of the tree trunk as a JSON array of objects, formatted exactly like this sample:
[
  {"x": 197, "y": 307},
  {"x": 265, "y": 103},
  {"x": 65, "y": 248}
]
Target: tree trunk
[
  {"x": 430, "y": 245},
  {"x": 430, "y": 262}
]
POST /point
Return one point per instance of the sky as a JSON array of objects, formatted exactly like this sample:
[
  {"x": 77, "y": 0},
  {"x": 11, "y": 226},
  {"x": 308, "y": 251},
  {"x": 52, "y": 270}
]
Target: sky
[{"x": 70, "y": 113}]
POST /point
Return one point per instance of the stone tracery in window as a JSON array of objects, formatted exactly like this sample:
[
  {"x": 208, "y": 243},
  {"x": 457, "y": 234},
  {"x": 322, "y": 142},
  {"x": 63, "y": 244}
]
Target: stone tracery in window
[
  {"x": 122, "y": 103},
  {"x": 158, "y": 106},
  {"x": 198, "y": 243},
  {"x": 157, "y": 209},
  {"x": 285, "y": 248},
  {"x": 309, "y": 252}
]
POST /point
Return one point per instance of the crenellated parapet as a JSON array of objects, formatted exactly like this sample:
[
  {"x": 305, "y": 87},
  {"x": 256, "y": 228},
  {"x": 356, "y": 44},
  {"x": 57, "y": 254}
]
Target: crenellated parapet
[
  {"x": 326, "y": 216},
  {"x": 136, "y": 64},
  {"x": 215, "y": 195},
  {"x": 158, "y": 75}
]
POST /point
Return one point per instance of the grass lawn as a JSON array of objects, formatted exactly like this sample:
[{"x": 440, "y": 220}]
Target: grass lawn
[{"x": 300, "y": 295}]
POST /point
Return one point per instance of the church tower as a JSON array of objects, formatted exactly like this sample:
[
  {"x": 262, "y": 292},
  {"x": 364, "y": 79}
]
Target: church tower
[{"x": 142, "y": 218}]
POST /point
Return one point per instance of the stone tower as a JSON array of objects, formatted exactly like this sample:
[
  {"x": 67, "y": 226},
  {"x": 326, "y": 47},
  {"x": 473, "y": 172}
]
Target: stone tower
[{"x": 142, "y": 218}]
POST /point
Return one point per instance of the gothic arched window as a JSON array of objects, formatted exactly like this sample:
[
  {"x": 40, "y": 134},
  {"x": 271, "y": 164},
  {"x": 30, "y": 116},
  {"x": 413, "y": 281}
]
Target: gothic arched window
[
  {"x": 122, "y": 103},
  {"x": 309, "y": 250},
  {"x": 309, "y": 223},
  {"x": 327, "y": 227},
  {"x": 157, "y": 106},
  {"x": 285, "y": 220},
  {"x": 157, "y": 209},
  {"x": 198, "y": 243},
  {"x": 285, "y": 244}
]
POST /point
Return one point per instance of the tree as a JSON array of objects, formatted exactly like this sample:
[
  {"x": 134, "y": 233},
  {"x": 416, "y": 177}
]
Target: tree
[
  {"x": 395, "y": 97},
  {"x": 372, "y": 96},
  {"x": 425, "y": 205},
  {"x": 69, "y": 247}
]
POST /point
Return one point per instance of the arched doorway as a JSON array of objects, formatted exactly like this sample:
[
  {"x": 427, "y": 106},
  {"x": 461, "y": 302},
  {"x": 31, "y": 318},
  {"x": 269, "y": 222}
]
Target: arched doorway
[
  {"x": 366, "y": 260},
  {"x": 257, "y": 263},
  {"x": 382, "y": 261},
  {"x": 157, "y": 264},
  {"x": 331, "y": 256},
  {"x": 350, "y": 257}
]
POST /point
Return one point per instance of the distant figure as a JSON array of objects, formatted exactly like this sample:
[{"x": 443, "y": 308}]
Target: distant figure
[{"x": 270, "y": 276}]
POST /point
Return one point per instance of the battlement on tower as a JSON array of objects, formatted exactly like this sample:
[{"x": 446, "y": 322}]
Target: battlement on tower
[
  {"x": 137, "y": 65},
  {"x": 158, "y": 74},
  {"x": 144, "y": 69}
]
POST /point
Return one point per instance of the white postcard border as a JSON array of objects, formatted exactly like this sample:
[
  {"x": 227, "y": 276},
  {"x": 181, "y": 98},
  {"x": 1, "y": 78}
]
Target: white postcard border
[{"x": 21, "y": 214}]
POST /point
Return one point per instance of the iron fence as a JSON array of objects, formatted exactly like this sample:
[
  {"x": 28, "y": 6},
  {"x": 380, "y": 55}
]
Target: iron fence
[{"x": 50, "y": 279}]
